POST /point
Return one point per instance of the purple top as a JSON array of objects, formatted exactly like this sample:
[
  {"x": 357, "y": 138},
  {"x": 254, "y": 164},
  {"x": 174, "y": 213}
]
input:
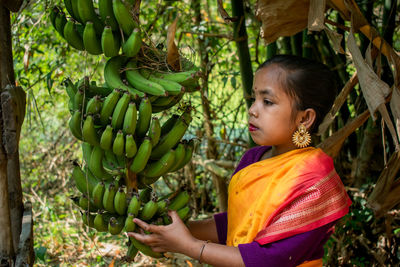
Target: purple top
[{"x": 290, "y": 251}]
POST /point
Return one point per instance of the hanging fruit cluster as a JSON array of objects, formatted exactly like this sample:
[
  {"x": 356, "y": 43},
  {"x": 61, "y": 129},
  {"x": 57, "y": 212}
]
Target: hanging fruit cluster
[{"x": 125, "y": 148}]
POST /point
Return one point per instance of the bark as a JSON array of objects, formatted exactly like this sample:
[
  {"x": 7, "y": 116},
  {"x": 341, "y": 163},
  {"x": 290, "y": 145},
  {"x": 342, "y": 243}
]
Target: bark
[
  {"x": 6, "y": 237},
  {"x": 211, "y": 151},
  {"x": 12, "y": 116}
]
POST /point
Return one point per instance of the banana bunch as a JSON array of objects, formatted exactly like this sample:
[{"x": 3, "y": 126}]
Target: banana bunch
[
  {"x": 98, "y": 30},
  {"x": 125, "y": 146},
  {"x": 165, "y": 89},
  {"x": 111, "y": 209}
]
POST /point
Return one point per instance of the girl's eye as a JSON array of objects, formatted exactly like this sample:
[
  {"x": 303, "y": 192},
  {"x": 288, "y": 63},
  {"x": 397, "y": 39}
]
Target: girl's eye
[{"x": 267, "y": 102}]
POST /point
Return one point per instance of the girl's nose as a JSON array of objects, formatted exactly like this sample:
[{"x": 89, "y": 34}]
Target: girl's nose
[{"x": 252, "y": 112}]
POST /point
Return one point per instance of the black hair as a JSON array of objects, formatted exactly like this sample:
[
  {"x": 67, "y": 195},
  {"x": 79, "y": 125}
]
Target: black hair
[{"x": 310, "y": 83}]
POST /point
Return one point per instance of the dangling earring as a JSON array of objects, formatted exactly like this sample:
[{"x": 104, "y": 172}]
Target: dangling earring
[{"x": 301, "y": 138}]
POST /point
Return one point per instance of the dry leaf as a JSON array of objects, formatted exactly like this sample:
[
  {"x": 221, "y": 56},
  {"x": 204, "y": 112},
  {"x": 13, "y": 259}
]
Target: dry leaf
[
  {"x": 339, "y": 101},
  {"x": 282, "y": 18},
  {"x": 384, "y": 186},
  {"x": 395, "y": 108},
  {"x": 173, "y": 58},
  {"x": 336, "y": 39},
  {"x": 316, "y": 15},
  {"x": 374, "y": 89},
  {"x": 333, "y": 143}
]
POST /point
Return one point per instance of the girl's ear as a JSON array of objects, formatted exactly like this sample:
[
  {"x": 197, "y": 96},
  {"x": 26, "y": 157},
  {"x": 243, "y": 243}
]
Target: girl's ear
[{"x": 308, "y": 117}]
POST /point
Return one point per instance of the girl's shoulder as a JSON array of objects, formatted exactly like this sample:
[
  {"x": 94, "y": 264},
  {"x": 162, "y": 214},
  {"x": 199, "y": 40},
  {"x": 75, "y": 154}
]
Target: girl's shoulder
[{"x": 250, "y": 156}]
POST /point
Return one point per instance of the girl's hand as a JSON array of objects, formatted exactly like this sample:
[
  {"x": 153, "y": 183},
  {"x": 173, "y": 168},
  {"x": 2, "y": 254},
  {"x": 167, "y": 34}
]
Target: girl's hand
[{"x": 174, "y": 237}]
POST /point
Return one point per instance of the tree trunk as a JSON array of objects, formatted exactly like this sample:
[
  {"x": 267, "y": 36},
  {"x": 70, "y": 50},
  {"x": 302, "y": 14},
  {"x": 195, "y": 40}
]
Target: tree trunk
[
  {"x": 211, "y": 151},
  {"x": 12, "y": 115}
]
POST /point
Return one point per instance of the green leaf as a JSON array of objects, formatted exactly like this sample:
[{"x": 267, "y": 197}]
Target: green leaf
[
  {"x": 49, "y": 82},
  {"x": 40, "y": 252},
  {"x": 233, "y": 82}
]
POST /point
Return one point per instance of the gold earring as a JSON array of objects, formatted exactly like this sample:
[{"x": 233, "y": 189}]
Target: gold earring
[{"x": 301, "y": 138}]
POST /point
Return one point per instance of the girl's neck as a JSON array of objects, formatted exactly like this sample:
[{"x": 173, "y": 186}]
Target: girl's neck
[{"x": 275, "y": 151}]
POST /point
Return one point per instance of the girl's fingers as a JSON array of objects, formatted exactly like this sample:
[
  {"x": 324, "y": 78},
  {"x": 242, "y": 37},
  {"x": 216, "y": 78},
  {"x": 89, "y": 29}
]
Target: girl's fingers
[
  {"x": 145, "y": 226},
  {"x": 174, "y": 215},
  {"x": 146, "y": 239}
]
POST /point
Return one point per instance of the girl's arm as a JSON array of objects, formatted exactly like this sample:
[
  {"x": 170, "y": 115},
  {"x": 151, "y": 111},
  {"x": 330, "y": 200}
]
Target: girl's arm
[
  {"x": 204, "y": 229},
  {"x": 176, "y": 237}
]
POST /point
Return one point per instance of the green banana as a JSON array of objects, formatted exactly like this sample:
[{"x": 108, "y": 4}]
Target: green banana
[
  {"x": 168, "y": 124},
  {"x": 118, "y": 115},
  {"x": 88, "y": 219},
  {"x": 160, "y": 167},
  {"x": 184, "y": 77},
  {"x": 90, "y": 40},
  {"x": 72, "y": 36},
  {"x": 134, "y": 205},
  {"x": 53, "y": 15},
  {"x": 180, "y": 151},
  {"x": 98, "y": 194},
  {"x": 106, "y": 138},
  {"x": 96, "y": 164},
  {"x": 189, "y": 147},
  {"x": 130, "y": 226},
  {"x": 146, "y": 194},
  {"x": 103, "y": 91},
  {"x": 60, "y": 22},
  {"x": 173, "y": 102},
  {"x": 108, "y": 198},
  {"x": 87, "y": 13},
  {"x": 171, "y": 138},
  {"x": 132, "y": 46},
  {"x": 111, "y": 158},
  {"x": 130, "y": 146},
  {"x": 145, "y": 249},
  {"x": 108, "y": 106},
  {"x": 132, "y": 252},
  {"x": 86, "y": 152},
  {"x": 179, "y": 201},
  {"x": 120, "y": 204},
  {"x": 142, "y": 156},
  {"x": 107, "y": 14},
  {"x": 162, "y": 101},
  {"x": 173, "y": 88},
  {"x": 136, "y": 80},
  {"x": 149, "y": 210},
  {"x": 183, "y": 213},
  {"x": 162, "y": 206},
  {"x": 124, "y": 17},
  {"x": 70, "y": 88},
  {"x": 116, "y": 225},
  {"x": 79, "y": 100},
  {"x": 75, "y": 11},
  {"x": 100, "y": 223},
  {"x": 130, "y": 119},
  {"x": 110, "y": 42},
  {"x": 154, "y": 131},
  {"x": 68, "y": 6},
  {"x": 144, "y": 117},
  {"x": 94, "y": 105},
  {"x": 89, "y": 132},
  {"x": 85, "y": 204},
  {"x": 75, "y": 124},
  {"x": 119, "y": 144},
  {"x": 85, "y": 183},
  {"x": 113, "y": 78}
]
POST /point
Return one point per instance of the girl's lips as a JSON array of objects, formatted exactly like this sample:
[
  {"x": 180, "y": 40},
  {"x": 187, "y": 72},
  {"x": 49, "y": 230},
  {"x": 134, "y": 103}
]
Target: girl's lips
[{"x": 252, "y": 128}]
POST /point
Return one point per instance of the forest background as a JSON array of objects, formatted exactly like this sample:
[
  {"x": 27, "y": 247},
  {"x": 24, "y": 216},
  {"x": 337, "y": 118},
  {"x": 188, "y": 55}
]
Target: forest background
[{"x": 42, "y": 60}]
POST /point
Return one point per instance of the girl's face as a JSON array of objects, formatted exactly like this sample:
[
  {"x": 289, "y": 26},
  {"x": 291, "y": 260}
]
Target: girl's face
[{"x": 273, "y": 119}]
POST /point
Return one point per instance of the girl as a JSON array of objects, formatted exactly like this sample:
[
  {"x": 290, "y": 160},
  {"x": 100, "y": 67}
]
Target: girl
[{"x": 284, "y": 197}]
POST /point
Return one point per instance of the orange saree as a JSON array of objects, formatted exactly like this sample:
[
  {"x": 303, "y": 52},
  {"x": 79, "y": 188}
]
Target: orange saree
[{"x": 288, "y": 194}]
